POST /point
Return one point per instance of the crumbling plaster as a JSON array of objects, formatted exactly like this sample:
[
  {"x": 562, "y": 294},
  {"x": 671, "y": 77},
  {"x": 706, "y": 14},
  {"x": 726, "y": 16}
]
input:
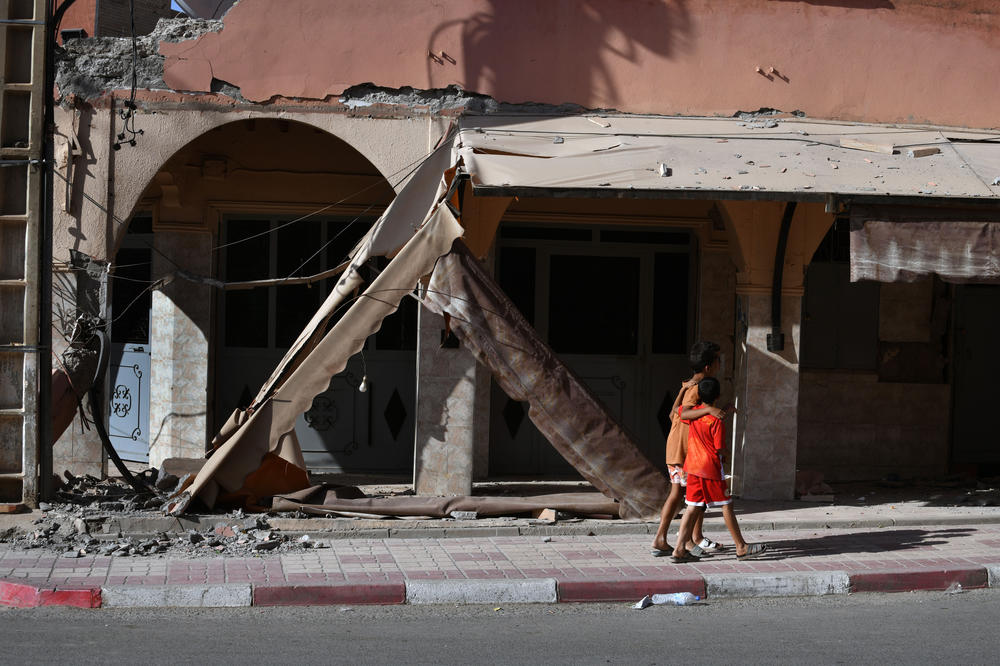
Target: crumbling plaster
[
  {"x": 118, "y": 179},
  {"x": 867, "y": 61}
]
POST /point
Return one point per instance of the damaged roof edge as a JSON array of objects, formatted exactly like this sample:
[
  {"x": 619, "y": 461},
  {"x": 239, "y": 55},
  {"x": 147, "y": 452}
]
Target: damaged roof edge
[
  {"x": 729, "y": 195},
  {"x": 92, "y": 66}
]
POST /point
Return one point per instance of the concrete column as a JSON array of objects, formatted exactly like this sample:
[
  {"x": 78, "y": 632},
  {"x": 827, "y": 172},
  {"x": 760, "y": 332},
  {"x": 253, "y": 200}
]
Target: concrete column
[
  {"x": 767, "y": 389},
  {"x": 179, "y": 348},
  {"x": 452, "y": 429},
  {"x": 767, "y": 383}
]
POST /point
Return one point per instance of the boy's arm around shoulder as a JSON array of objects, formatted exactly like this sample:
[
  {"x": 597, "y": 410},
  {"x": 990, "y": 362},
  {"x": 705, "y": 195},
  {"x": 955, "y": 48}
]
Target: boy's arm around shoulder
[
  {"x": 681, "y": 395},
  {"x": 691, "y": 414},
  {"x": 718, "y": 432}
]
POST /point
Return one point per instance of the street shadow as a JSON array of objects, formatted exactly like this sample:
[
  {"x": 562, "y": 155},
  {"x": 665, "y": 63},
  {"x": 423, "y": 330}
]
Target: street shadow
[
  {"x": 555, "y": 52},
  {"x": 873, "y": 542}
]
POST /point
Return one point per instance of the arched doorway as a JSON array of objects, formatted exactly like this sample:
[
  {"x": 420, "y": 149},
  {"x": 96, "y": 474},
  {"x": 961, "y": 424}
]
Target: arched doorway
[{"x": 267, "y": 199}]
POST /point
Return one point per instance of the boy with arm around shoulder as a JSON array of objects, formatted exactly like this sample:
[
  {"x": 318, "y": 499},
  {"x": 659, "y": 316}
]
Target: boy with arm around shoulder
[
  {"x": 704, "y": 362},
  {"x": 706, "y": 485}
]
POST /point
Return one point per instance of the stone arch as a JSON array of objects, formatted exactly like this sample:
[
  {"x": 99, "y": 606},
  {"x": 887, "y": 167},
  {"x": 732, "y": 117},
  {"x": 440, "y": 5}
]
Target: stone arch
[
  {"x": 389, "y": 145},
  {"x": 246, "y": 167}
]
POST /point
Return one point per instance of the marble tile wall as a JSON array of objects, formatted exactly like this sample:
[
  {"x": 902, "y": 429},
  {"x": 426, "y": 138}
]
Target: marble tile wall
[
  {"x": 179, "y": 345},
  {"x": 767, "y": 385},
  {"x": 452, "y": 431}
]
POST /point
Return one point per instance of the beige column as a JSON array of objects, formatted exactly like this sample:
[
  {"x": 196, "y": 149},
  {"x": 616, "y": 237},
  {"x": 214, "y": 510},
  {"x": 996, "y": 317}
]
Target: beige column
[
  {"x": 452, "y": 414},
  {"x": 765, "y": 440},
  {"x": 179, "y": 346}
]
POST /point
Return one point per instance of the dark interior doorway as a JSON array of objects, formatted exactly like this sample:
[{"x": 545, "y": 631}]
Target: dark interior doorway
[{"x": 975, "y": 438}]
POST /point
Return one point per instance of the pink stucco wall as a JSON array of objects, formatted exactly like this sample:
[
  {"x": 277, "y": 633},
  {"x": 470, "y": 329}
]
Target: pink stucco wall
[{"x": 914, "y": 61}]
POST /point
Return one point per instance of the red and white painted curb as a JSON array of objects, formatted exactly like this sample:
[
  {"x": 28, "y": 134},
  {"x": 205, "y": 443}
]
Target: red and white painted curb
[{"x": 492, "y": 591}]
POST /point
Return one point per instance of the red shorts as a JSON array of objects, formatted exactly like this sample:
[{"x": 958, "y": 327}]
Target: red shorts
[{"x": 706, "y": 492}]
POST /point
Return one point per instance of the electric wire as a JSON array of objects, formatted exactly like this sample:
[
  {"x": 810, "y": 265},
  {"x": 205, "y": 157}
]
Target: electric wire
[
  {"x": 409, "y": 169},
  {"x": 412, "y": 166}
]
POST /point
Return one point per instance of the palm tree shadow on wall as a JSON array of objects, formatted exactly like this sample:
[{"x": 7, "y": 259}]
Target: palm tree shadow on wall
[{"x": 558, "y": 51}]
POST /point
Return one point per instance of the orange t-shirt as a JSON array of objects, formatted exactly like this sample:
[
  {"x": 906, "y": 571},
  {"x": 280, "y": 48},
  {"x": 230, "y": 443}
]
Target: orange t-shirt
[
  {"x": 678, "y": 436},
  {"x": 705, "y": 444}
]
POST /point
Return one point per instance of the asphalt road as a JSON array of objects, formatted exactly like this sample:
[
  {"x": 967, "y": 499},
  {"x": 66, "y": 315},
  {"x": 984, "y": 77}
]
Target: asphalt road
[{"x": 912, "y": 628}]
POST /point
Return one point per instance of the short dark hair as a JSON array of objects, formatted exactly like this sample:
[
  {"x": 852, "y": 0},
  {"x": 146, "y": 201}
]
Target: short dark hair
[
  {"x": 708, "y": 390},
  {"x": 703, "y": 353}
]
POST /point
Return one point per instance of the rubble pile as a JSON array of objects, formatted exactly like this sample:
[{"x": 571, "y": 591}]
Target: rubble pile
[{"x": 75, "y": 525}]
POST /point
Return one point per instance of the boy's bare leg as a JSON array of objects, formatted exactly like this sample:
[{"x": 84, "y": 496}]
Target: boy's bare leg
[
  {"x": 691, "y": 514},
  {"x": 666, "y": 515},
  {"x": 696, "y": 534},
  {"x": 729, "y": 515}
]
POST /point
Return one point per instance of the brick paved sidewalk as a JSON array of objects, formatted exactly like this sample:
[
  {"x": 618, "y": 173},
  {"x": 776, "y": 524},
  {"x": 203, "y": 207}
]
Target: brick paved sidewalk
[{"x": 609, "y": 567}]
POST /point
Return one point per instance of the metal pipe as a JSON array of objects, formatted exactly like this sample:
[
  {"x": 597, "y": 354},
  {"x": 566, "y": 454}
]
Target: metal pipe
[
  {"x": 776, "y": 339},
  {"x": 44, "y": 403}
]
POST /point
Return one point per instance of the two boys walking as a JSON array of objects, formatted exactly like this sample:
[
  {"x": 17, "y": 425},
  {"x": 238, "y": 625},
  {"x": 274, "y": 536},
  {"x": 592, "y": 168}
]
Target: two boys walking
[{"x": 694, "y": 459}]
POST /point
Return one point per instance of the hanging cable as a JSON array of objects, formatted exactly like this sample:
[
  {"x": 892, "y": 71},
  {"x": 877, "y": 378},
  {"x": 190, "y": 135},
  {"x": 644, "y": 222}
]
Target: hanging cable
[{"x": 129, "y": 132}]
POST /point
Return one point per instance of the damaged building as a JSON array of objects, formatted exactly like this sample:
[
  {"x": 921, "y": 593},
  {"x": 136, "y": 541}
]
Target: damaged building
[{"x": 476, "y": 240}]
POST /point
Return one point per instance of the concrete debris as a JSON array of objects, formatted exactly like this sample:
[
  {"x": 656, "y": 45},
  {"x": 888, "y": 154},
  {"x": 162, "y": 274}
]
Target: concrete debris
[
  {"x": 763, "y": 114},
  {"x": 92, "y": 66},
  {"x": 166, "y": 481},
  {"x": 451, "y": 98},
  {"x": 923, "y": 152},
  {"x": 78, "y": 525}
]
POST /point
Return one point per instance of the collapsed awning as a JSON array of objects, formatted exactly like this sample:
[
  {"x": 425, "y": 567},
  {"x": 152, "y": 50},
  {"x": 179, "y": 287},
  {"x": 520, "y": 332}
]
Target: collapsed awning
[
  {"x": 901, "y": 244},
  {"x": 256, "y": 451},
  {"x": 584, "y": 156},
  {"x": 781, "y": 158},
  {"x": 565, "y": 411}
]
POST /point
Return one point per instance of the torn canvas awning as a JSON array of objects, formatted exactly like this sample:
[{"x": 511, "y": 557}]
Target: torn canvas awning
[
  {"x": 780, "y": 158},
  {"x": 900, "y": 244},
  {"x": 565, "y": 411},
  {"x": 247, "y": 439}
]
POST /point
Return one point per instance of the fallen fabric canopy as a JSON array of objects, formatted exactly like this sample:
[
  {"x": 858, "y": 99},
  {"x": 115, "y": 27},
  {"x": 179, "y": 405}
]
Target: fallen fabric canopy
[
  {"x": 566, "y": 412},
  {"x": 409, "y": 210},
  {"x": 322, "y": 500},
  {"x": 905, "y": 244},
  {"x": 245, "y": 440}
]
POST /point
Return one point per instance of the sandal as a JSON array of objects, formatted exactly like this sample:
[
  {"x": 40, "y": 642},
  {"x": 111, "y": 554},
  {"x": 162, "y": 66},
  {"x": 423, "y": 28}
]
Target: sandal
[
  {"x": 685, "y": 558},
  {"x": 666, "y": 552},
  {"x": 699, "y": 552},
  {"x": 753, "y": 550},
  {"x": 707, "y": 545}
]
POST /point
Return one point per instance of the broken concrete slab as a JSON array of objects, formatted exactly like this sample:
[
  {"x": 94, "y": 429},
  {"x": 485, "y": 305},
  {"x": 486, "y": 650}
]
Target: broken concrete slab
[{"x": 93, "y": 66}]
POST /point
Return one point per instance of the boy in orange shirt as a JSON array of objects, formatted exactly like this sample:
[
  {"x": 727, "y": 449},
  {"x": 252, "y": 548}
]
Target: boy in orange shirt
[
  {"x": 704, "y": 361},
  {"x": 706, "y": 485}
]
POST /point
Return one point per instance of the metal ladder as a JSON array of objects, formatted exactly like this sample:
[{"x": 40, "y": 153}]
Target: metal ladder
[{"x": 22, "y": 69}]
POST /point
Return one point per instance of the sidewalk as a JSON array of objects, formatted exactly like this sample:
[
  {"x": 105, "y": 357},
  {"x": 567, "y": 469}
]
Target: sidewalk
[{"x": 515, "y": 569}]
